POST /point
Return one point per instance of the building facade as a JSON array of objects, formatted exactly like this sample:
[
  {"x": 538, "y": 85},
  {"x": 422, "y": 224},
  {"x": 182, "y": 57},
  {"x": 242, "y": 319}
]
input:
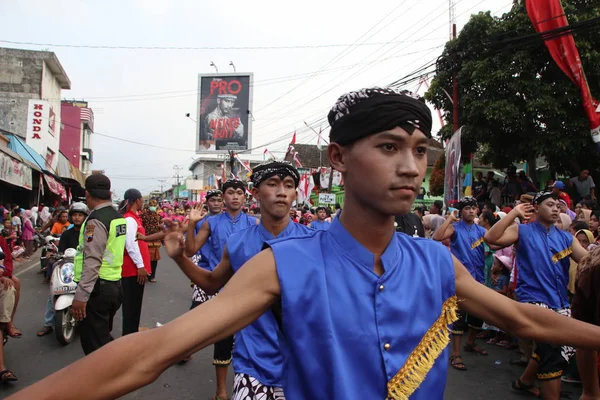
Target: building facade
[
  {"x": 76, "y": 134},
  {"x": 31, "y": 84}
]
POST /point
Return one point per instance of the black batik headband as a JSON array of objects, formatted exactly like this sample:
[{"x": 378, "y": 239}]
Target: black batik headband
[
  {"x": 359, "y": 114},
  {"x": 265, "y": 171}
]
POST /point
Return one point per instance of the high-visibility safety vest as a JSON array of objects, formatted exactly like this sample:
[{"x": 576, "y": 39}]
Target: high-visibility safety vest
[{"x": 112, "y": 259}]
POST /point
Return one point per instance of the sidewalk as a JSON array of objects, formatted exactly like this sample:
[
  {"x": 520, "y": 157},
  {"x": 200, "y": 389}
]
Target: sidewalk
[{"x": 21, "y": 267}]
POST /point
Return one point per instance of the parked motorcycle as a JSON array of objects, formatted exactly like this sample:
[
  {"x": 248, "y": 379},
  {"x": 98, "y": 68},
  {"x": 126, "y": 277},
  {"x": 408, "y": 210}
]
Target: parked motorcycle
[
  {"x": 63, "y": 289},
  {"x": 48, "y": 252}
]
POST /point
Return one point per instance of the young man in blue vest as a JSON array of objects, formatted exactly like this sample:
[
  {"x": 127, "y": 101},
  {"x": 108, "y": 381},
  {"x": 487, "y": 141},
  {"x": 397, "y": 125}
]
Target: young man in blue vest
[
  {"x": 364, "y": 311},
  {"x": 213, "y": 232},
  {"x": 543, "y": 253},
  {"x": 466, "y": 238},
  {"x": 257, "y": 359},
  {"x": 320, "y": 224}
]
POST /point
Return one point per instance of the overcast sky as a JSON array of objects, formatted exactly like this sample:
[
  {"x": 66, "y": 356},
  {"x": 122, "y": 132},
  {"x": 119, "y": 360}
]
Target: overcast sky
[{"x": 143, "y": 95}]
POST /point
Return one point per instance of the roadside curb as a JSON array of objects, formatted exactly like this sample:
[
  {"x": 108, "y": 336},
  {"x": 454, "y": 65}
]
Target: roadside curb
[{"x": 25, "y": 266}]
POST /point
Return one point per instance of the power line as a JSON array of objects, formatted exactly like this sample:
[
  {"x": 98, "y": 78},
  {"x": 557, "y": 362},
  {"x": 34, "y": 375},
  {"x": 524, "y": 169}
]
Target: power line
[{"x": 187, "y": 48}]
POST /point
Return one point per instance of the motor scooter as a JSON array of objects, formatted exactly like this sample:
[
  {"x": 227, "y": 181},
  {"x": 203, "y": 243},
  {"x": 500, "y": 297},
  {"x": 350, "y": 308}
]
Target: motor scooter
[
  {"x": 62, "y": 290},
  {"x": 48, "y": 252}
]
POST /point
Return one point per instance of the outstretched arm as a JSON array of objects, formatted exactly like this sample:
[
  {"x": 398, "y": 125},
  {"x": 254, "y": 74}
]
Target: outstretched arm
[
  {"x": 210, "y": 281},
  {"x": 125, "y": 364},
  {"x": 523, "y": 320}
]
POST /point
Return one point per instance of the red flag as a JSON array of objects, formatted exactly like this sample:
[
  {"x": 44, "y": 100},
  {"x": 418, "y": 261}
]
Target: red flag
[
  {"x": 266, "y": 151},
  {"x": 293, "y": 139},
  {"x": 547, "y": 15}
]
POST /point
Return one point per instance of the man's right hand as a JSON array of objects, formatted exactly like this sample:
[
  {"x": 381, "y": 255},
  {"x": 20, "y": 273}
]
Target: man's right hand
[
  {"x": 197, "y": 213},
  {"x": 453, "y": 216},
  {"x": 524, "y": 211},
  {"x": 6, "y": 282},
  {"x": 174, "y": 244}
]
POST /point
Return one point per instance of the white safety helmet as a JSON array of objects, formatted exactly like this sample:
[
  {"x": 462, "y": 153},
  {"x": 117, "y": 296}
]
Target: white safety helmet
[{"x": 80, "y": 208}]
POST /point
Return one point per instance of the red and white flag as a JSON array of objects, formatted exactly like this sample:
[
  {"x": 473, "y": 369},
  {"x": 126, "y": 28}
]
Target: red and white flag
[{"x": 293, "y": 139}]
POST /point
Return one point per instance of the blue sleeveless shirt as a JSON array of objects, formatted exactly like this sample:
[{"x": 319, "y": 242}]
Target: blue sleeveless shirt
[
  {"x": 467, "y": 246},
  {"x": 543, "y": 265},
  {"x": 204, "y": 251},
  {"x": 221, "y": 227},
  {"x": 256, "y": 351},
  {"x": 319, "y": 225},
  {"x": 347, "y": 332}
]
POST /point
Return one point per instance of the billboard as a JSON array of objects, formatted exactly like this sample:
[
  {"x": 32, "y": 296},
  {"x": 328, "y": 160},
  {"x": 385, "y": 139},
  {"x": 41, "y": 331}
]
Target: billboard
[{"x": 224, "y": 106}]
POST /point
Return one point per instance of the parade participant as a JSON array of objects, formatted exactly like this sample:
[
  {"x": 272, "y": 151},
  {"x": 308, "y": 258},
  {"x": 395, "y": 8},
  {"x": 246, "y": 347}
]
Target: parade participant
[
  {"x": 320, "y": 224},
  {"x": 136, "y": 261},
  {"x": 215, "y": 232},
  {"x": 98, "y": 266},
  {"x": 214, "y": 206},
  {"x": 257, "y": 360},
  {"x": 543, "y": 253},
  {"x": 468, "y": 247},
  {"x": 379, "y": 144},
  {"x": 78, "y": 212},
  {"x": 152, "y": 223}
]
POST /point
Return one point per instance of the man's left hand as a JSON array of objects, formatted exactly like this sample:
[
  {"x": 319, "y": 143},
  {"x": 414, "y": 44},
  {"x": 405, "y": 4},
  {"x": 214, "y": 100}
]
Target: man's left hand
[
  {"x": 78, "y": 309},
  {"x": 142, "y": 276}
]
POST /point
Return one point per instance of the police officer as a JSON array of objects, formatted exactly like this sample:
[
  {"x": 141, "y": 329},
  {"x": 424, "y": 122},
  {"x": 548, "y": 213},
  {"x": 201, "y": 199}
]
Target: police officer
[{"x": 98, "y": 266}]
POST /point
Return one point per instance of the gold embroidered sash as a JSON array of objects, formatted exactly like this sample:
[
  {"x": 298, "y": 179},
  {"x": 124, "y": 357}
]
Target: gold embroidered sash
[
  {"x": 562, "y": 254},
  {"x": 476, "y": 243},
  {"x": 421, "y": 359}
]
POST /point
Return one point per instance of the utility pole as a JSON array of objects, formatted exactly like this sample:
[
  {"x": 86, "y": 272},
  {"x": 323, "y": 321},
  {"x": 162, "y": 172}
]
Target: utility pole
[
  {"x": 455, "y": 108},
  {"x": 162, "y": 185},
  {"x": 177, "y": 168}
]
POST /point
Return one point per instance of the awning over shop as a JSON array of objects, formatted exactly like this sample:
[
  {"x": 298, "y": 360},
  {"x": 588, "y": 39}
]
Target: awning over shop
[
  {"x": 66, "y": 170},
  {"x": 14, "y": 171},
  {"x": 55, "y": 187},
  {"x": 17, "y": 145}
]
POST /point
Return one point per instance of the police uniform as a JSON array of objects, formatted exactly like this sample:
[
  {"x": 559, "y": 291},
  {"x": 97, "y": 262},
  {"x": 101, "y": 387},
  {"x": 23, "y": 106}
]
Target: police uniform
[{"x": 98, "y": 269}]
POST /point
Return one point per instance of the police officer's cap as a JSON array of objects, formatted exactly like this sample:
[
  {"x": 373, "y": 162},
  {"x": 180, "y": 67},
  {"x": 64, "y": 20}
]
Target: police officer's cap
[{"x": 98, "y": 186}]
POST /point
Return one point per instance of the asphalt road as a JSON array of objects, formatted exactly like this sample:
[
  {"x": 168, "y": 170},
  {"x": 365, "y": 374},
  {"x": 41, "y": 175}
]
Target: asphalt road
[{"x": 32, "y": 358}]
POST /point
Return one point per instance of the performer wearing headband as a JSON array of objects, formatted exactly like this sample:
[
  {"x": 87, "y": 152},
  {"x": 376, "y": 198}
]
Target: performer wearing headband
[
  {"x": 467, "y": 246},
  {"x": 364, "y": 311},
  {"x": 543, "y": 253},
  {"x": 214, "y": 233},
  {"x": 320, "y": 224},
  {"x": 257, "y": 360}
]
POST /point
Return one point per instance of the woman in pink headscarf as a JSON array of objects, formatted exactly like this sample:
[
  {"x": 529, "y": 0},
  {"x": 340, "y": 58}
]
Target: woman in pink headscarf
[{"x": 27, "y": 234}]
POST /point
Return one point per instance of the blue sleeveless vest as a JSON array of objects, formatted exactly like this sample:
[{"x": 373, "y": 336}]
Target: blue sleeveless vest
[
  {"x": 221, "y": 227},
  {"x": 348, "y": 332},
  {"x": 467, "y": 247},
  {"x": 319, "y": 225},
  {"x": 543, "y": 265},
  {"x": 204, "y": 251},
  {"x": 256, "y": 351}
]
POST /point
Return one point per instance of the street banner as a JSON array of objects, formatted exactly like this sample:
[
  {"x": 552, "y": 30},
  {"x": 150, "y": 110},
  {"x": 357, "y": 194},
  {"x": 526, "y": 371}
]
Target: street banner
[
  {"x": 546, "y": 15},
  {"x": 224, "y": 113},
  {"x": 452, "y": 181},
  {"x": 15, "y": 172}
]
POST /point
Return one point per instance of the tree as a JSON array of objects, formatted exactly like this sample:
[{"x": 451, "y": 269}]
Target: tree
[
  {"x": 515, "y": 103},
  {"x": 436, "y": 180}
]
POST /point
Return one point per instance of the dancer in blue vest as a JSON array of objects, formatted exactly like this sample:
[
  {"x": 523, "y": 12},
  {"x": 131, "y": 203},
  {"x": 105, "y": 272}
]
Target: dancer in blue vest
[
  {"x": 467, "y": 246},
  {"x": 543, "y": 253},
  {"x": 257, "y": 360},
  {"x": 320, "y": 224},
  {"x": 214, "y": 233},
  {"x": 364, "y": 310}
]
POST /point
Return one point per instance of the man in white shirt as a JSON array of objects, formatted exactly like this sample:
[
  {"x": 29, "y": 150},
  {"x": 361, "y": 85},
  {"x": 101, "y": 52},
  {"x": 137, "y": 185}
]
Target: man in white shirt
[{"x": 584, "y": 184}]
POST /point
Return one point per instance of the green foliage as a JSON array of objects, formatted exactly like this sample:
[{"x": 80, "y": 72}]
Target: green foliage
[{"x": 516, "y": 104}]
